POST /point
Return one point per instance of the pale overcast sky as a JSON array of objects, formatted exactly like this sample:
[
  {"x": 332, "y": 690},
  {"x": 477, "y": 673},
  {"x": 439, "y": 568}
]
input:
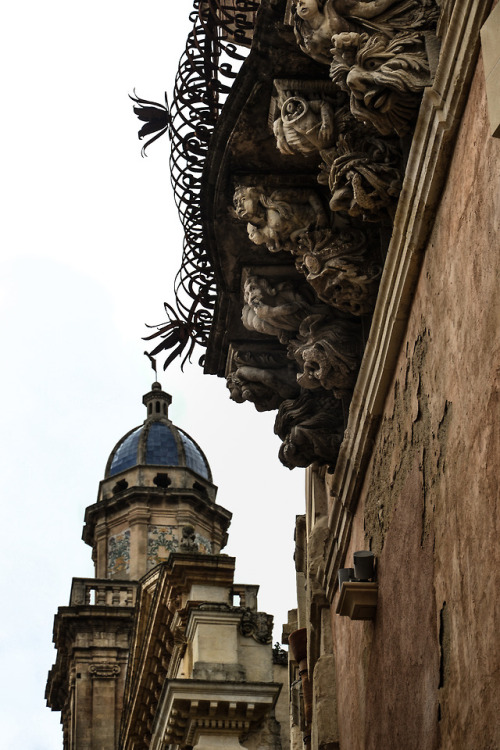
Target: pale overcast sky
[{"x": 90, "y": 244}]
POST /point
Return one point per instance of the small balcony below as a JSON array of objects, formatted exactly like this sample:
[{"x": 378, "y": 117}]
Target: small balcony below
[{"x": 102, "y": 592}]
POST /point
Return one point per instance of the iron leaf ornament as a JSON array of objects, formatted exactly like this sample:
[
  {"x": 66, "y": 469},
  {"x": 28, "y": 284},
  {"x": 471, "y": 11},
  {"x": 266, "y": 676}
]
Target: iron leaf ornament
[{"x": 155, "y": 116}]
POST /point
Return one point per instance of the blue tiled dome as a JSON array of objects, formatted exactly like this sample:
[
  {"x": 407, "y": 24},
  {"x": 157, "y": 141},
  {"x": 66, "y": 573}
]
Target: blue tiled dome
[{"x": 157, "y": 442}]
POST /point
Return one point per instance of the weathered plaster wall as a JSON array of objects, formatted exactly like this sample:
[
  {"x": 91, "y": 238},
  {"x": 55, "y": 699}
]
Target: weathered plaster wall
[{"x": 426, "y": 673}]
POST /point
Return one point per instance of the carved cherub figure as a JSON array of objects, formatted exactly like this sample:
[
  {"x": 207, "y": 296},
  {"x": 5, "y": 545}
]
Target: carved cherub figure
[
  {"x": 276, "y": 217},
  {"x": 304, "y": 126},
  {"x": 316, "y": 21},
  {"x": 275, "y": 310}
]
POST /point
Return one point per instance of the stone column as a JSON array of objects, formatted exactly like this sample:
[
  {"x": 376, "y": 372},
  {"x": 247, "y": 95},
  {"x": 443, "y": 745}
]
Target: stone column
[{"x": 101, "y": 543}]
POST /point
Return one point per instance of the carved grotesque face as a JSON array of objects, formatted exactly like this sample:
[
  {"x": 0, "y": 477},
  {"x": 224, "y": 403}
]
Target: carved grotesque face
[
  {"x": 307, "y": 9},
  {"x": 255, "y": 292},
  {"x": 385, "y": 79},
  {"x": 235, "y": 390},
  {"x": 317, "y": 369}
]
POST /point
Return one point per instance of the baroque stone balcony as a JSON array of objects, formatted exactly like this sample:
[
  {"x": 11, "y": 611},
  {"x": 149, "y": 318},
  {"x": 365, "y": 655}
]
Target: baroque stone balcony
[{"x": 102, "y": 592}]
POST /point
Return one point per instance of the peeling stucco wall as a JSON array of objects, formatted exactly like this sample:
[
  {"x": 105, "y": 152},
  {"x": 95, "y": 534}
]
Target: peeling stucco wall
[{"x": 426, "y": 673}]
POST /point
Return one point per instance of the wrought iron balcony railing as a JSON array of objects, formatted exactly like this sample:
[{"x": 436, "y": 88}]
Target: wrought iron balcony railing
[{"x": 217, "y": 45}]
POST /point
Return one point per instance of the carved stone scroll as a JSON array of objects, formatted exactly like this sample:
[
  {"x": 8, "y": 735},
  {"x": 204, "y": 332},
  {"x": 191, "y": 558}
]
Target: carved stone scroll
[
  {"x": 275, "y": 216},
  {"x": 339, "y": 267},
  {"x": 104, "y": 671},
  {"x": 257, "y": 625},
  {"x": 311, "y": 428}
]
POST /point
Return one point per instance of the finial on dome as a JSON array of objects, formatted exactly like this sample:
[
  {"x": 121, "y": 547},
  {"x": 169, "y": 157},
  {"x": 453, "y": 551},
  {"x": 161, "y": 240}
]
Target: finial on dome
[
  {"x": 157, "y": 402},
  {"x": 153, "y": 365}
]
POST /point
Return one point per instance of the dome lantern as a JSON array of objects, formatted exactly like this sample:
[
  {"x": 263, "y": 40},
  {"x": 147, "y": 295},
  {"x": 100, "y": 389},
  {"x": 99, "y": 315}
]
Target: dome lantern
[{"x": 157, "y": 402}]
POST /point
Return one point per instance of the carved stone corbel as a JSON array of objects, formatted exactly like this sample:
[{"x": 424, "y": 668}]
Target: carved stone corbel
[
  {"x": 363, "y": 172},
  {"x": 384, "y": 75},
  {"x": 277, "y": 309},
  {"x": 327, "y": 351},
  {"x": 339, "y": 267},
  {"x": 303, "y": 115},
  {"x": 275, "y": 216},
  {"x": 263, "y": 378},
  {"x": 311, "y": 428}
]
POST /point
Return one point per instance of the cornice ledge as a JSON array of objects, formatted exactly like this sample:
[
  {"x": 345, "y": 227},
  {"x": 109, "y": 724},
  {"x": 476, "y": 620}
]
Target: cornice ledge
[
  {"x": 187, "y": 705},
  {"x": 436, "y": 130}
]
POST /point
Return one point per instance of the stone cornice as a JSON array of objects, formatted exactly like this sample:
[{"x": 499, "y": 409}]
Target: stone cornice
[
  {"x": 436, "y": 130},
  {"x": 69, "y": 623},
  {"x": 151, "y": 496},
  {"x": 187, "y": 707}
]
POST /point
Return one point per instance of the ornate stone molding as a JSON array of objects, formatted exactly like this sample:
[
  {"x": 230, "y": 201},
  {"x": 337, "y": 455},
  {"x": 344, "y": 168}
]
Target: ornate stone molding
[
  {"x": 257, "y": 625},
  {"x": 187, "y": 707},
  {"x": 104, "y": 671},
  {"x": 340, "y": 268}
]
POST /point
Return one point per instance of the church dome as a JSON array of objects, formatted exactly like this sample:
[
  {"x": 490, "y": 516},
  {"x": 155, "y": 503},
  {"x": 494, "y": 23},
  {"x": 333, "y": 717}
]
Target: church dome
[{"x": 157, "y": 442}]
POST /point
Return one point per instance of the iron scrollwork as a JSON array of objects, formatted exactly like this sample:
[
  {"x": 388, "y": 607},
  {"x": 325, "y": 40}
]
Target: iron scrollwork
[{"x": 215, "y": 49}]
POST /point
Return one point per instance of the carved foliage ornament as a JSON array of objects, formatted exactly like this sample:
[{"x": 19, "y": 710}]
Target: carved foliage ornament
[
  {"x": 364, "y": 175},
  {"x": 339, "y": 267}
]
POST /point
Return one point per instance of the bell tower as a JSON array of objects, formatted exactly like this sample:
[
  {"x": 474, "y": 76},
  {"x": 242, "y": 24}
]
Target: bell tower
[{"x": 157, "y": 499}]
